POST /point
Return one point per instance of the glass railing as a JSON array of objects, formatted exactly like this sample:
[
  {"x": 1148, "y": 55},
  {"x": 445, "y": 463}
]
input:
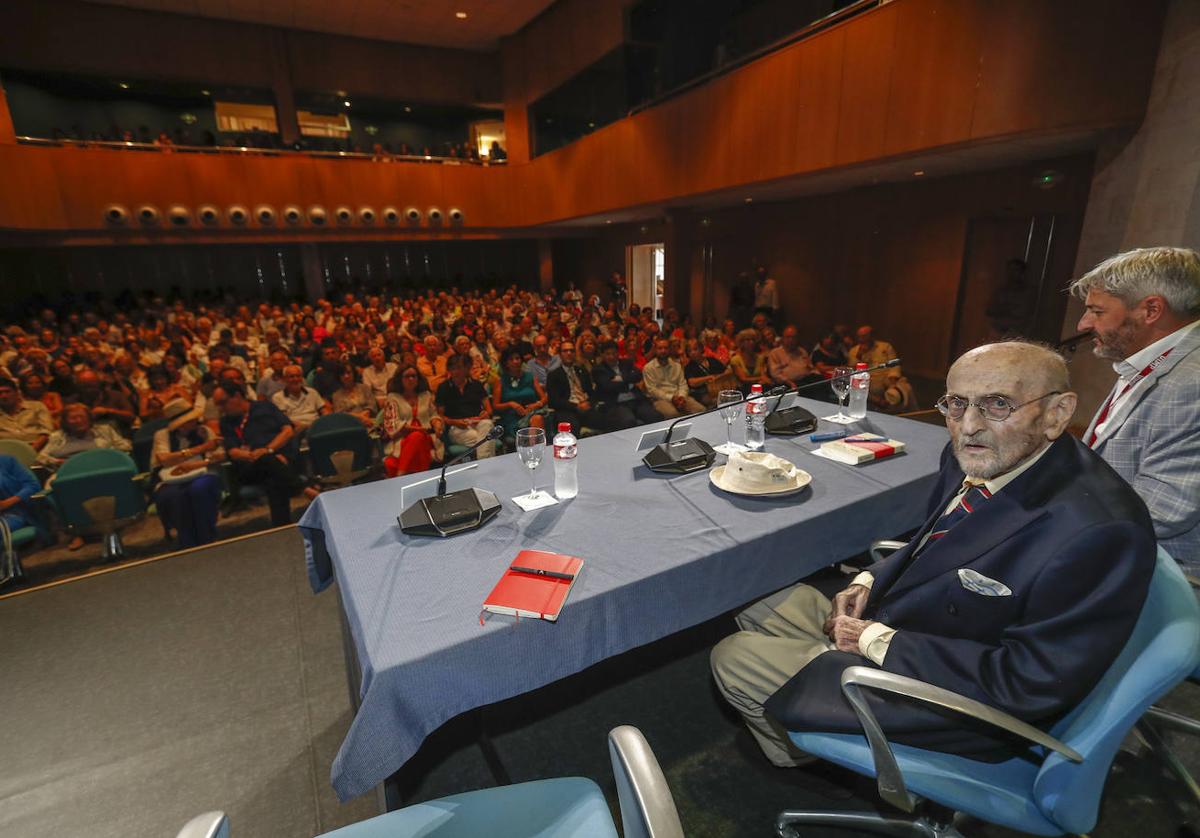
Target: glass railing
[{"x": 378, "y": 157}]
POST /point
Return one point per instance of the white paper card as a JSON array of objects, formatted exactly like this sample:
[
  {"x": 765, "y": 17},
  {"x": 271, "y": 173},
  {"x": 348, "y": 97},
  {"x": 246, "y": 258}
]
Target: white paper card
[
  {"x": 649, "y": 439},
  {"x": 537, "y": 501},
  {"x": 427, "y": 488}
]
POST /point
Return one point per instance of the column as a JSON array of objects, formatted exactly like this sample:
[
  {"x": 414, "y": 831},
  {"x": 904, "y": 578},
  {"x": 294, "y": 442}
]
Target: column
[
  {"x": 545, "y": 265},
  {"x": 7, "y": 133},
  {"x": 281, "y": 87},
  {"x": 678, "y": 240},
  {"x": 314, "y": 274}
]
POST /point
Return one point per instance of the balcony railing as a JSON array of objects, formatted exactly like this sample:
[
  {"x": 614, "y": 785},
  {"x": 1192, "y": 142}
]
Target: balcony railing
[{"x": 381, "y": 157}]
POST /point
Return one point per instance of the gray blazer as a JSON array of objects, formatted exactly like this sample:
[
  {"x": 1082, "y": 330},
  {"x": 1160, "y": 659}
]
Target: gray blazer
[{"x": 1154, "y": 443}]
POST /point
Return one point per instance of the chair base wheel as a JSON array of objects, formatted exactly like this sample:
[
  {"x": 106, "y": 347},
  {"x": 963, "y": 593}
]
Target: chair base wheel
[
  {"x": 114, "y": 549},
  {"x": 920, "y": 827}
]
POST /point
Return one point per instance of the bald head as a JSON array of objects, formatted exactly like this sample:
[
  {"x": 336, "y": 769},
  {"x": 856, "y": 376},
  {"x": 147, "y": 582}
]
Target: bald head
[{"x": 1012, "y": 401}]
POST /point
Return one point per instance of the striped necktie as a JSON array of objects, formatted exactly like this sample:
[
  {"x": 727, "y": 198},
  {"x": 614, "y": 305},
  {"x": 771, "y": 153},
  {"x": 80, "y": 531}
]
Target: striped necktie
[{"x": 971, "y": 500}]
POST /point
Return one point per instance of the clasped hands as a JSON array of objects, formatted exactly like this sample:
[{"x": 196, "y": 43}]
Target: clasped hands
[{"x": 844, "y": 626}]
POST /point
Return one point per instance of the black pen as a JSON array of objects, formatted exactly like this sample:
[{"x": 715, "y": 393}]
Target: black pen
[{"x": 536, "y": 571}]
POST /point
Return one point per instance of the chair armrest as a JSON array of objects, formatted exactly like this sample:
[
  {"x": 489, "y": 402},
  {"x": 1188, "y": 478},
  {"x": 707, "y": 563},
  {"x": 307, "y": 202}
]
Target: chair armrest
[
  {"x": 647, "y": 807},
  {"x": 887, "y": 772},
  {"x": 881, "y": 549},
  {"x": 208, "y": 825}
]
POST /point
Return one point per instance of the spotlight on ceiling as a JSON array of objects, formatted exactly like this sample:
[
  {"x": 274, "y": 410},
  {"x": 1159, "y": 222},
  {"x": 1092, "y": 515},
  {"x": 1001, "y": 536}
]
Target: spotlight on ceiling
[
  {"x": 123, "y": 85},
  {"x": 919, "y": 173},
  {"x": 461, "y": 15}
]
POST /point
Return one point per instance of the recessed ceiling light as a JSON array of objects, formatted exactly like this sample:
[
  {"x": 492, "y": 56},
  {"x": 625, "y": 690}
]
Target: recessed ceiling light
[
  {"x": 342, "y": 94},
  {"x": 407, "y": 109},
  {"x": 123, "y": 85},
  {"x": 749, "y": 200},
  {"x": 919, "y": 173},
  {"x": 461, "y": 15},
  {"x": 346, "y": 103},
  {"x": 205, "y": 93},
  {"x": 608, "y": 221}
]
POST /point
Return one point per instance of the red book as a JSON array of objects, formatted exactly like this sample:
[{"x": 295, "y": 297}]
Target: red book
[{"x": 536, "y": 584}]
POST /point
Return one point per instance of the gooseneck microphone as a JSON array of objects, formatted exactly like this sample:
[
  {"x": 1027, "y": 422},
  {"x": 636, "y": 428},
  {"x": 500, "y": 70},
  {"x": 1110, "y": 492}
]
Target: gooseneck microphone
[
  {"x": 692, "y": 454},
  {"x": 494, "y": 433},
  {"x": 795, "y": 420},
  {"x": 447, "y": 514}
]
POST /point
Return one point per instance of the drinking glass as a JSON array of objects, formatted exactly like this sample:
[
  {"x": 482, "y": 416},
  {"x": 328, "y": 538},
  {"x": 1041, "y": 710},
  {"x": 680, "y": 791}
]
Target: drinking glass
[
  {"x": 531, "y": 445},
  {"x": 729, "y": 414},
  {"x": 840, "y": 383}
]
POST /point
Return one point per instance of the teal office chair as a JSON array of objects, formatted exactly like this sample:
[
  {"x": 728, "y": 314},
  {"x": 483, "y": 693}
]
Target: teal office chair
[
  {"x": 565, "y": 807},
  {"x": 1159, "y": 717},
  {"x": 10, "y": 539},
  {"x": 22, "y": 452},
  {"x": 96, "y": 493},
  {"x": 340, "y": 449},
  {"x": 143, "y": 442},
  {"x": 1056, "y": 795}
]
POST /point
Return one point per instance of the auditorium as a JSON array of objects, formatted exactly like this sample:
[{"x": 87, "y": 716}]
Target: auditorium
[{"x": 546, "y": 418}]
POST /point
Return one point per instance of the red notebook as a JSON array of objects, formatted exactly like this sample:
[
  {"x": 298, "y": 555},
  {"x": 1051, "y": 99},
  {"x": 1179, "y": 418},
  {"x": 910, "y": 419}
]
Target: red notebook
[{"x": 527, "y": 593}]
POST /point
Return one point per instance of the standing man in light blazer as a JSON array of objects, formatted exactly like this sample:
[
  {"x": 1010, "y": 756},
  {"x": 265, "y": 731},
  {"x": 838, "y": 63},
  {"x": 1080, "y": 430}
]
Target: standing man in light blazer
[{"x": 1143, "y": 309}]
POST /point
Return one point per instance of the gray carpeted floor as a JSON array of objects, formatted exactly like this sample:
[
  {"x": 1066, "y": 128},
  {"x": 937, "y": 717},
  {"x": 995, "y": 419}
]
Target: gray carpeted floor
[{"x": 137, "y": 699}]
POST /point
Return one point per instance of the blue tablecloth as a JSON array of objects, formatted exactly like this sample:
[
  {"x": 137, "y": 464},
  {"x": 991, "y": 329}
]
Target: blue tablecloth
[{"x": 661, "y": 553}]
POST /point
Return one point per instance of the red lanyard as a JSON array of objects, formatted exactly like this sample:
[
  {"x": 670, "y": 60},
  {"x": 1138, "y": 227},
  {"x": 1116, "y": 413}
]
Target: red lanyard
[
  {"x": 1151, "y": 367},
  {"x": 241, "y": 428}
]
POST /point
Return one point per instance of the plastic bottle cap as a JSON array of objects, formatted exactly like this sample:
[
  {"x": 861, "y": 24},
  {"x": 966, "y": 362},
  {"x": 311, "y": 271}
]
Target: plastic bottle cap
[
  {"x": 755, "y": 388},
  {"x": 860, "y": 366},
  {"x": 564, "y": 427}
]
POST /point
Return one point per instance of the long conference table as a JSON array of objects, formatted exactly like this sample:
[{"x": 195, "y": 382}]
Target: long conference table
[{"x": 661, "y": 553}]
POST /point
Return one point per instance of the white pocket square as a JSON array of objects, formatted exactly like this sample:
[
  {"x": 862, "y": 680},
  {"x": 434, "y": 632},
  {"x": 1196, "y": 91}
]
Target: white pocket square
[{"x": 980, "y": 584}]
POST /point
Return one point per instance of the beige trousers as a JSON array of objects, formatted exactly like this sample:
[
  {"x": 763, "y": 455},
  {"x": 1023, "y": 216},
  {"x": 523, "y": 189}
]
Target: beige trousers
[
  {"x": 779, "y": 636},
  {"x": 668, "y": 410}
]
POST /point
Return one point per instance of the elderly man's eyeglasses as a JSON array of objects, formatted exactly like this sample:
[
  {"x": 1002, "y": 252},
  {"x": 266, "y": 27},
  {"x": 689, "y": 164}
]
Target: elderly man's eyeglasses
[{"x": 992, "y": 408}]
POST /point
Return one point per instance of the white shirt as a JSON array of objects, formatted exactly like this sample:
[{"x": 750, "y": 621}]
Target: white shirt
[
  {"x": 1128, "y": 371},
  {"x": 873, "y": 642}
]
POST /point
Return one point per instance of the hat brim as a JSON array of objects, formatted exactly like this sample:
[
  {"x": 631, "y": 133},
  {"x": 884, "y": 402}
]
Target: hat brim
[
  {"x": 717, "y": 475},
  {"x": 183, "y": 418}
]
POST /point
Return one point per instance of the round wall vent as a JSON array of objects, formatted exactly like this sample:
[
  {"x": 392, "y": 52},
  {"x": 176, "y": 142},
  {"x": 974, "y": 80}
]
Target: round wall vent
[
  {"x": 209, "y": 215},
  {"x": 317, "y": 216},
  {"x": 456, "y": 216},
  {"x": 179, "y": 216},
  {"x": 147, "y": 215},
  {"x": 435, "y": 216},
  {"x": 116, "y": 215},
  {"x": 366, "y": 215},
  {"x": 238, "y": 215},
  {"x": 293, "y": 215},
  {"x": 265, "y": 215},
  {"x": 391, "y": 215},
  {"x": 413, "y": 216}
]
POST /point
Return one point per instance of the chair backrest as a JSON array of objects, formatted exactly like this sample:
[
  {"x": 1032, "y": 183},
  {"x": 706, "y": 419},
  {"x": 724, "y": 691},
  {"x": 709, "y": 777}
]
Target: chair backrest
[
  {"x": 338, "y": 432},
  {"x": 95, "y": 473},
  {"x": 1163, "y": 649},
  {"x": 22, "y": 452},
  {"x": 647, "y": 808}
]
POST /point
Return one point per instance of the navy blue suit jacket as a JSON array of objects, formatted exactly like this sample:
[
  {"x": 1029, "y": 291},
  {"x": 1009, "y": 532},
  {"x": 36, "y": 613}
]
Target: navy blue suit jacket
[{"x": 1073, "y": 542}]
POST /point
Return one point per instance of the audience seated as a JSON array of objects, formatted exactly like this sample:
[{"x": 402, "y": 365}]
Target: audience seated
[
  {"x": 259, "y": 441},
  {"x": 22, "y": 419},
  {"x": 666, "y": 386},
  {"x": 299, "y": 403},
  {"x": 519, "y": 399},
  {"x": 748, "y": 364},
  {"x": 412, "y": 428},
  {"x": 464, "y": 406},
  {"x": 872, "y": 353},
  {"x": 78, "y": 434},
  {"x": 188, "y": 494},
  {"x": 262, "y": 374},
  {"x": 789, "y": 363}
]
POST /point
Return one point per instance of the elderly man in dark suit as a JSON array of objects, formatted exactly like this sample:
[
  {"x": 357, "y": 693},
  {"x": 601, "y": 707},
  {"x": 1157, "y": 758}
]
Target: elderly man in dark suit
[{"x": 1021, "y": 587}]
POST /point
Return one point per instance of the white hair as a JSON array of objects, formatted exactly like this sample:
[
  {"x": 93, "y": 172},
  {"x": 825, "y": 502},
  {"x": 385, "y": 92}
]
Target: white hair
[{"x": 1170, "y": 272}]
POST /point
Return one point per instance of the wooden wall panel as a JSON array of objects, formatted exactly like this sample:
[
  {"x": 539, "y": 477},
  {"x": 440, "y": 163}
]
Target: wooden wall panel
[
  {"x": 819, "y": 104},
  {"x": 111, "y": 41},
  {"x": 935, "y": 71},
  {"x": 866, "y": 85},
  {"x": 1020, "y": 82}
]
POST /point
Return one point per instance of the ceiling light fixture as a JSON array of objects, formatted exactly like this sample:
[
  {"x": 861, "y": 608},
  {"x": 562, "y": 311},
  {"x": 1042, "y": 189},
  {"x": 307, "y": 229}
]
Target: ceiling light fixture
[
  {"x": 407, "y": 109},
  {"x": 346, "y": 103},
  {"x": 749, "y": 200},
  {"x": 919, "y": 173},
  {"x": 461, "y": 15},
  {"x": 123, "y": 85},
  {"x": 205, "y": 93}
]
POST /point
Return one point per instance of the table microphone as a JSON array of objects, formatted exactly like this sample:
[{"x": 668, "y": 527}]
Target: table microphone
[
  {"x": 795, "y": 420},
  {"x": 447, "y": 514},
  {"x": 692, "y": 454}
]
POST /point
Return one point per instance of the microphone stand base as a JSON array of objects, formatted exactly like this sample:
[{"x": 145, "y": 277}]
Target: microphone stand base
[
  {"x": 450, "y": 514},
  {"x": 681, "y": 457}
]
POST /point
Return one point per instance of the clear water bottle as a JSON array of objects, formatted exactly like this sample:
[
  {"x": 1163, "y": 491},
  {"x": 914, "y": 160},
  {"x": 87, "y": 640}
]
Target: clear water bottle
[
  {"x": 860, "y": 386},
  {"x": 756, "y": 418},
  {"x": 566, "y": 447}
]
